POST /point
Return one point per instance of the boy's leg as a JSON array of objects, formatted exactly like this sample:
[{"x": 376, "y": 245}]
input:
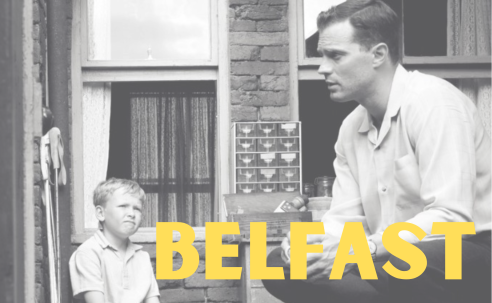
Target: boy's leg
[
  {"x": 431, "y": 286},
  {"x": 351, "y": 288}
]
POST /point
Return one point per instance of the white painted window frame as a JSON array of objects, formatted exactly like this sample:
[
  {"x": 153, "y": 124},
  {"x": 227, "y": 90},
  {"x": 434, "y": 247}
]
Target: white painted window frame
[{"x": 97, "y": 71}]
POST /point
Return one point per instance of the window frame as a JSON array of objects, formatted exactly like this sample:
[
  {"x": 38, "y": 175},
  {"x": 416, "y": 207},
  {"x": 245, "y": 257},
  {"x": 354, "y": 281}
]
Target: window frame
[
  {"x": 449, "y": 67},
  {"x": 106, "y": 71},
  {"x": 213, "y": 61}
]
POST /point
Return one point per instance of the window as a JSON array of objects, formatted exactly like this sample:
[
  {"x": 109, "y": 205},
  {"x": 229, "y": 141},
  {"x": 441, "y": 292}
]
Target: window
[
  {"x": 149, "y": 33},
  {"x": 163, "y": 137},
  {"x": 125, "y": 102}
]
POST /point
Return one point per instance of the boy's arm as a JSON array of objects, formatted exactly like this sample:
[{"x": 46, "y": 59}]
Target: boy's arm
[
  {"x": 85, "y": 275},
  {"x": 152, "y": 300}
]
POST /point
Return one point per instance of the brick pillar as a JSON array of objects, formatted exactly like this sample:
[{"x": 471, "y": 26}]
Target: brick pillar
[
  {"x": 39, "y": 95},
  {"x": 259, "y": 52}
]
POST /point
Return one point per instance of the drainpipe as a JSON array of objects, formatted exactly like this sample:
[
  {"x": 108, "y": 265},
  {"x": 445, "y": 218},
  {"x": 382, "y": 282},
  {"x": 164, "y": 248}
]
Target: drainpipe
[{"x": 59, "y": 62}]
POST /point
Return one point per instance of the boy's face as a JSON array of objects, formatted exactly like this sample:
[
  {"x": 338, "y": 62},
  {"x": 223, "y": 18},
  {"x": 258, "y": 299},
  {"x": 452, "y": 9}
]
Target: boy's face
[{"x": 122, "y": 214}]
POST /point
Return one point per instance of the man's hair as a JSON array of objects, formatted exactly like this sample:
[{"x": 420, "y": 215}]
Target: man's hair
[
  {"x": 105, "y": 190},
  {"x": 373, "y": 20}
]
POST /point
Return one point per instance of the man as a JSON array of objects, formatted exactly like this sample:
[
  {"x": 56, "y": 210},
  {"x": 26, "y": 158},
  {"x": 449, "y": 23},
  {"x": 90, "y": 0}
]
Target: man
[{"x": 414, "y": 151}]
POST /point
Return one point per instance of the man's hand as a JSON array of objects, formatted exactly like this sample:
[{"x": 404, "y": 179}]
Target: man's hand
[{"x": 319, "y": 265}]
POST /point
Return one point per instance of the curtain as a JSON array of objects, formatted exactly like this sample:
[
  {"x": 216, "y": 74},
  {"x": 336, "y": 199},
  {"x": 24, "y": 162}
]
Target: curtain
[
  {"x": 173, "y": 151},
  {"x": 469, "y": 31},
  {"x": 96, "y": 112}
]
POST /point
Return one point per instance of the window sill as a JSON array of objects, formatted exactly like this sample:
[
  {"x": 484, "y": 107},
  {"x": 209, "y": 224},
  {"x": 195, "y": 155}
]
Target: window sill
[{"x": 144, "y": 235}]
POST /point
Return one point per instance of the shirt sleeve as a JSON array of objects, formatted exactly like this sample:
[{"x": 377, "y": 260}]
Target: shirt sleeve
[
  {"x": 154, "y": 288},
  {"x": 445, "y": 151},
  {"x": 346, "y": 205},
  {"x": 85, "y": 273}
]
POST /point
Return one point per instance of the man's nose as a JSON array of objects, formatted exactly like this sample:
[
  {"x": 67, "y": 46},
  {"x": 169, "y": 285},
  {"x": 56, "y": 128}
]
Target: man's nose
[
  {"x": 131, "y": 213},
  {"x": 325, "y": 68}
]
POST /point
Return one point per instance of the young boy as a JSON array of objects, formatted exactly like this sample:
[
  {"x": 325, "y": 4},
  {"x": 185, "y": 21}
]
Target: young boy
[{"x": 109, "y": 267}]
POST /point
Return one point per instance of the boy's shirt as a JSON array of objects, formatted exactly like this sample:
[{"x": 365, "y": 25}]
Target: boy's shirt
[{"x": 96, "y": 266}]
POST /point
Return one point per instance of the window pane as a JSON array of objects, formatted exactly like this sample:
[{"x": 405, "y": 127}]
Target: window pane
[
  {"x": 312, "y": 8},
  {"x": 321, "y": 120},
  {"x": 149, "y": 30},
  {"x": 446, "y": 27}
]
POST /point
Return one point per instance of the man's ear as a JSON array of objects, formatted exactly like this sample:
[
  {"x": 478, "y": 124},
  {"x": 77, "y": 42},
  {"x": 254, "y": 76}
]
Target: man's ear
[
  {"x": 380, "y": 53},
  {"x": 100, "y": 213}
]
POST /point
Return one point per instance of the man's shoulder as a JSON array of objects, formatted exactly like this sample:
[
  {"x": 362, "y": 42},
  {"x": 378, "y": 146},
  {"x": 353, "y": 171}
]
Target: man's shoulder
[{"x": 427, "y": 91}]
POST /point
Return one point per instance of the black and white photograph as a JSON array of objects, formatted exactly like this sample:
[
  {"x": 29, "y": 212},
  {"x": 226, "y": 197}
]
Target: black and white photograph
[{"x": 369, "y": 119}]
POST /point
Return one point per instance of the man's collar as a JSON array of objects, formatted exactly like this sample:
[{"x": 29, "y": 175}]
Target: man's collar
[{"x": 394, "y": 101}]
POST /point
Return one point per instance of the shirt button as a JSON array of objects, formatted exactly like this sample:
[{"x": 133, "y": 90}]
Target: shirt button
[{"x": 383, "y": 189}]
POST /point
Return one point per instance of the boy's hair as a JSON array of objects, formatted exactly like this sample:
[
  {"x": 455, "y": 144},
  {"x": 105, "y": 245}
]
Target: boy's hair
[
  {"x": 373, "y": 20},
  {"x": 106, "y": 189}
]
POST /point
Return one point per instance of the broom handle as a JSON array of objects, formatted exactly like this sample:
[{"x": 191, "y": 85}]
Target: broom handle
[
  {"x": 57, "y": 228},
  {"x": 51, "y": 253}
]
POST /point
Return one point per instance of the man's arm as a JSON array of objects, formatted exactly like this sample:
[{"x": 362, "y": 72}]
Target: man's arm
[
  {"x": 152, "y": 300},
  {"x": 445, "y": 152},
  {"x": 346, "y": 205},
  {"x": 93, "y": 297}
]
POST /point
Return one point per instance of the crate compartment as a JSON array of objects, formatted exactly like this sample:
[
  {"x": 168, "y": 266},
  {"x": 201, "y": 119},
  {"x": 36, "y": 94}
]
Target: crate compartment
[
  {"x": 288, "y": 174},
  {"x": 245, "y": 130},
  {"x": 267, "y": 160},
  {"x": 247, "y": 145},
  {"x": 267, "y": 175},
  {"x": 266, "y": 130},
  {"x": 290, "y": 159},
  {"x": 246, "y": 188},
  {"x": 246, "y": 175},
  {"x": 246, "y": 160},
  {"x": 288, "y": 130},
  {"x": 287, "y": 144},
  {"x": 267, "y": 187},
  {"x": 288, "y": 187},
  {"x": 266, "y": 145}
]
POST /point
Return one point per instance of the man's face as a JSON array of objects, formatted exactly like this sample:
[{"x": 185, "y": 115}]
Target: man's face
[
  {"x": 346, "y": 66},
  {"x": 122, "y": 214}
]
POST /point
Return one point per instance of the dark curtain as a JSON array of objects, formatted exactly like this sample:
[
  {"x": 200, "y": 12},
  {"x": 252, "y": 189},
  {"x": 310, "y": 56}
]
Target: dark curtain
[{"x": 173, "y": 130}]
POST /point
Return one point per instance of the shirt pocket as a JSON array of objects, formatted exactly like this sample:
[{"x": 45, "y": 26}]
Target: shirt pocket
[{"x": 407, "y": 184}]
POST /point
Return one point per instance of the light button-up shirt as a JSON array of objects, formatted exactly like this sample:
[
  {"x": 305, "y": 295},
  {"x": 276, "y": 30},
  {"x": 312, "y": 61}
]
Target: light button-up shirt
[
  {"x": 97, "y": 266},
  {"x": 430, "y": 162}
]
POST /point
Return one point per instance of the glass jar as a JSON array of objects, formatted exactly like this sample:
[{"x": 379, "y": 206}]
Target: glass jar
[{"x": 324, "y": 186}]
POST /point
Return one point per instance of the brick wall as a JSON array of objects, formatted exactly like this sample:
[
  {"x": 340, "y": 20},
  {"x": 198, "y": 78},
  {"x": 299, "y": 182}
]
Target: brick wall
[
  {"x": 39, "y": 35},
  {"x": 196, "y": 288},
  {"x": 259, "y": 52}
]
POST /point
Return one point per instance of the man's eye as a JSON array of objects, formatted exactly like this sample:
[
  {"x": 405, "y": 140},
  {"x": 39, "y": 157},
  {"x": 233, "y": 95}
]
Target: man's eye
[
  {"x": 138, "y": 209},
  {"x": 336, "y": 57}
]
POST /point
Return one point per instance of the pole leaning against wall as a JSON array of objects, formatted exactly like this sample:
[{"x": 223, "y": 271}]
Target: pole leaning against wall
[{"x": 52, "y": 159}]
